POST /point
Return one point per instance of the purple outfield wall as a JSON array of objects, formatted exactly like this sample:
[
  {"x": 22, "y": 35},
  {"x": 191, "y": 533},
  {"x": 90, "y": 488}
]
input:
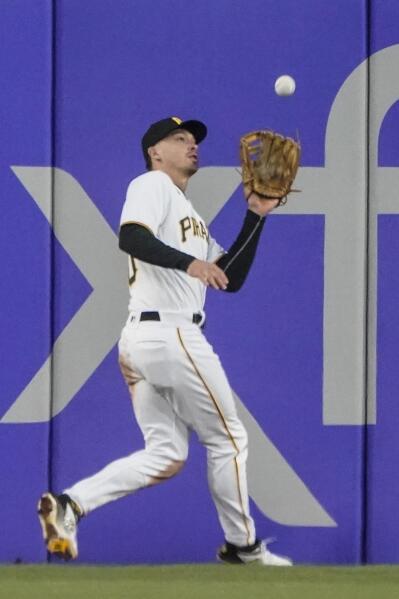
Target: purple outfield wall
[{"x": 309, "y": 344}]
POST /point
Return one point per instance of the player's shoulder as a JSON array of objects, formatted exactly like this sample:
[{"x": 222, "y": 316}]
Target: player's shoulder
[{"x": 150, "y": 180}]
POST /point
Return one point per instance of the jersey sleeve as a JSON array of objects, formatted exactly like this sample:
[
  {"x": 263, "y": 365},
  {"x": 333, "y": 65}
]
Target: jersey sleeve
[
  {"x": 215, "y": 251},
  {"x": 146, "y": 202}
]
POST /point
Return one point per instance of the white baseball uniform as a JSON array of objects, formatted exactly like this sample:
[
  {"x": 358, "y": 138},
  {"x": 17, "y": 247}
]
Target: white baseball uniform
[{"x": 176, "y": 380}]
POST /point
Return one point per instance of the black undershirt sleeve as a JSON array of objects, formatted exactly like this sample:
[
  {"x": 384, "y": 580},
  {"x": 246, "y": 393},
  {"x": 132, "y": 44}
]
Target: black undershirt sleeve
[
  {"x": 139, "y": 242},
  {"x": 238, "y": 260}
]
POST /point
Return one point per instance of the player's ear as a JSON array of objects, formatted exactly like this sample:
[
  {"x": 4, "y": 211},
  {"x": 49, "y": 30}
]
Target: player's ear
[{"x": 154, "y": 154}]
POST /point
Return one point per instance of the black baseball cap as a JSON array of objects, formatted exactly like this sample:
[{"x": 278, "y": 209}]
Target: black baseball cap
[{"x": 163, "y": 128}]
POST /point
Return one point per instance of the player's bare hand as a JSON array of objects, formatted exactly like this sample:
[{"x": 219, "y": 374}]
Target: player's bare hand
[
  {"x": 260, "y": 205},
  {"x": 208, "y": 273}
]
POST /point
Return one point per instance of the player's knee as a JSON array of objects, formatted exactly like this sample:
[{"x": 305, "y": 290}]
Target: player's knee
[
  {"x": 175, "y": 467},
  {"x": 230, "y": 445},
  {"x": 242, "y": 439},
  {"x": 236, "y": 437},
  {"x": 169, "y": 471}
]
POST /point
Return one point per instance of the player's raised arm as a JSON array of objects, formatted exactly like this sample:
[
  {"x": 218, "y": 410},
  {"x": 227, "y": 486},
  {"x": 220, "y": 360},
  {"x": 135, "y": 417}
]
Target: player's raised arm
[
  {"x": 237, "y": 262},
  {"x": 269, "y": 165}
]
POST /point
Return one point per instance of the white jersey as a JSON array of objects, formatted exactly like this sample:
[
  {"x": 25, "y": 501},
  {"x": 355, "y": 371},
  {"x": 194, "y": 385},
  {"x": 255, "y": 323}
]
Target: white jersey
[{"x": 154, "y": 201}]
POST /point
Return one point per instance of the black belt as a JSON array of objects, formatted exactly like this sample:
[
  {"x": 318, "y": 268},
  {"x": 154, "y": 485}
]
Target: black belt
[{"x": 156, "y": 316}]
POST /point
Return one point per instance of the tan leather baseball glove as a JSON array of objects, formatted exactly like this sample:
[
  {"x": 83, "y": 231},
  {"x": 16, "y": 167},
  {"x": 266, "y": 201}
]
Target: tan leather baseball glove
[{"x": 269, "y": 164}]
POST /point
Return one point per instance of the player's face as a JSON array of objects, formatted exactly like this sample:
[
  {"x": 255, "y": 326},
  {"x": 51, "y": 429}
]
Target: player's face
[{"x": 178, "y": 151}]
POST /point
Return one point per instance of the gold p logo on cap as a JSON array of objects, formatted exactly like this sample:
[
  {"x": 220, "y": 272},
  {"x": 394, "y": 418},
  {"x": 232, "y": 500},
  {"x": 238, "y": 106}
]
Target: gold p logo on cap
[{"x": 177, "y": 120}]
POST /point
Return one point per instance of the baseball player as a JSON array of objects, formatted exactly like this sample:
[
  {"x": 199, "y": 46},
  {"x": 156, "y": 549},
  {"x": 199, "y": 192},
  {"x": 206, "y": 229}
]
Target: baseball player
[{"x": 176, "y": 380}]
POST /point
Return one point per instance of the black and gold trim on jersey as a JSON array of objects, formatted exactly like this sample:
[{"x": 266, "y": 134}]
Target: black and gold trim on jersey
[{"x": 190, "y": 225}]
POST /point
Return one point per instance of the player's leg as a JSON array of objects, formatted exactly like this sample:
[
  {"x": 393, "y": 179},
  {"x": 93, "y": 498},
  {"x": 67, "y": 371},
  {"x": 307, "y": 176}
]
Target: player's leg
[
  {"x": 207, "y": 404},
  {"x": 161, "y": 358},
  {"x": 166, "y": 447},
  {"x": 205, "y": 400}
]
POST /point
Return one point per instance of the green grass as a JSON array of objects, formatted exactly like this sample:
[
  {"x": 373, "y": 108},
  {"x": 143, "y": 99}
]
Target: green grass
[{"x": 198, "y": 582}]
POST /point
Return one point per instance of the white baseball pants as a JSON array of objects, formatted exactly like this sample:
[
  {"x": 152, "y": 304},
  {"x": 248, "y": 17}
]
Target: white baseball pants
[{"x": 177, "y": 384}]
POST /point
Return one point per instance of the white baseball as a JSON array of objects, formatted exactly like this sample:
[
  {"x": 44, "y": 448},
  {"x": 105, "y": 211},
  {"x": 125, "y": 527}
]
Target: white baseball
[{"x": 284, "y": 85}]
